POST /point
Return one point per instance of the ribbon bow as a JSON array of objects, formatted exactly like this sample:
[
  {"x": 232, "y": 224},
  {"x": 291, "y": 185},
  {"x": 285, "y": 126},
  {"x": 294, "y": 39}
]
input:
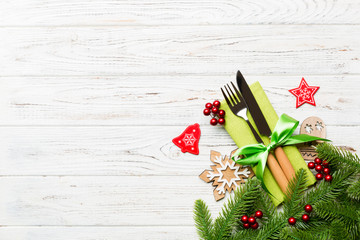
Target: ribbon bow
[{"x": 257, "y": 153}]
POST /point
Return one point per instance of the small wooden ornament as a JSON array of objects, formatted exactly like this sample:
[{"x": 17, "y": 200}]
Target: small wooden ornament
[
  {"x": 226, "y": 175},
  {"x": 312, "y": 126}
]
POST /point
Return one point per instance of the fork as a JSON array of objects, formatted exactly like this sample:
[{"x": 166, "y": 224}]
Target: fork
[{"x": 239, "y": 107}]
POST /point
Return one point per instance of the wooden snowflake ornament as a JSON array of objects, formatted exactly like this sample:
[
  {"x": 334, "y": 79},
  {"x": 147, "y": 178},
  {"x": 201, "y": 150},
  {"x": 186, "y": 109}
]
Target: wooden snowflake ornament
[{"x": 226, "y": 175}]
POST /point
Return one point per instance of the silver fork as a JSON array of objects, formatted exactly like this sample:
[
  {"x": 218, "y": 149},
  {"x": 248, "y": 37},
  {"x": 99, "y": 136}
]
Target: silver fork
[{"x": 238, "y": 106}]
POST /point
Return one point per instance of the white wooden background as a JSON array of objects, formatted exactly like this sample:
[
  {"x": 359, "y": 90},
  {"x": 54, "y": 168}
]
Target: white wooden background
[{"x": 93, "y": 91}]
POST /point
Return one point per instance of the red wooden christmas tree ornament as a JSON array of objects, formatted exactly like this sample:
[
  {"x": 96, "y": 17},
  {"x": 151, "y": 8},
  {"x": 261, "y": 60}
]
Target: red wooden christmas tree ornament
[{"x": 188, "y": 141}]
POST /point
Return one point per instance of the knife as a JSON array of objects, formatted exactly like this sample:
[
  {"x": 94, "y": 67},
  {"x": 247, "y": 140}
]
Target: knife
[{"x": 262, "y": 125}]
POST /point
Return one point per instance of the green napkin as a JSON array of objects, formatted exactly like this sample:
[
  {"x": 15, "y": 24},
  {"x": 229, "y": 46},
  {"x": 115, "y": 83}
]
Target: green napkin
[{"x": 242, "y": 136}]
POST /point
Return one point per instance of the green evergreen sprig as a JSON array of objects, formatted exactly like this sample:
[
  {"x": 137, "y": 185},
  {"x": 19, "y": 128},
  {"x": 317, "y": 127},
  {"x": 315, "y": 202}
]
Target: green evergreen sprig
[
  {"x": 295, "y": 190},
  {"x": 338, "y": 157},
  {"x": 236, "y": 206},
  {"x": 354, "y": 190},
  {"x": 335, "y": 215},
  {"x": 203, "y": 220}
]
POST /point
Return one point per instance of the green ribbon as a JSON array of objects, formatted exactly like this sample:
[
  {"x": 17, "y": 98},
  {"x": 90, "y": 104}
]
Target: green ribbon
[{"x": 282, "y": 136}]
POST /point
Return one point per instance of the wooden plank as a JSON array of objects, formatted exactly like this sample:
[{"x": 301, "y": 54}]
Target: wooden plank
[
  {"x": 103, "y": 201},
  {"x": 186, "y": 12},
  {"x": 116, "y": 151},
  {"x": 98, "y": 233},
  {"x": 177, "y": 50},
  {"x": 160, "y": 100}
]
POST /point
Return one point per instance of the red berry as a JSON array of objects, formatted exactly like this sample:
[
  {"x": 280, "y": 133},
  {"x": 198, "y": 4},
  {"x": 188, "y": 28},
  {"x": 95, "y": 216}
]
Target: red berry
[
  {"x": 319, "y": 176},
  {"x": 255, "y": 225},
  {"x": 292, "y": 221},
  {"x": 318, "y": 168},
  {"x": 318, "y": 161},
  {"x": 311, "y": 165},
  {"x": 215, "y": 110},
  {"x": 325, "y": 164},
  {"x": 208, "y": 105},
  {"x": 328, "y": 178},
  {"x": 216, "y": 103},
  {"x": 221, "y": 121},
  {"x": 259, "y": 214},
  {"x": 207, "y": 112},
  {"x": 221, "y": 113},
  {"x": 308, "y": 208},
  {"x": 326, "y": 170},
  {"x": 213, "y": 121},
  {"x": 252, "y": 220},
  {"x": 244, "y": 219},
  {"x": 305, "y": 218},
  {"x": 246, "y": 225}
]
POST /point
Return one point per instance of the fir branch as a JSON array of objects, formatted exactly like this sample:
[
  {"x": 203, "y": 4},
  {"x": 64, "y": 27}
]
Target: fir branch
[
  {"x": 338, "y": 157},
  {"x": 294, "y": 194},
  {"x": 315, "y": 224},
  {"x": 338, "y": 230},
  {"x": 265, "y": 204},
  {"x": 297, "y": 234},
  {"x": 345, "y": 213},
  {"x": 245, "y": 234},
  {"x": 336, "y": 205},
  {"x": 272, "y": 229},
  {"x": 335, "y": 210},
  {"x": 325, "y": 191},
  {"x": 236, "y": 206},
  {"x": 353, "y": 191},
  {"x": 203, "y": 220}
]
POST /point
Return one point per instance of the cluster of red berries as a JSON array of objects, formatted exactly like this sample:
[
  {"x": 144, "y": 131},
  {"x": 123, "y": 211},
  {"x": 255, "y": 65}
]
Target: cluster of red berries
[
  {"x": 216, "y": 113},
  {"x": 251, "y": 221},
  {"x": 305, "y": 217},
  {"x": 322, "y": 167}
]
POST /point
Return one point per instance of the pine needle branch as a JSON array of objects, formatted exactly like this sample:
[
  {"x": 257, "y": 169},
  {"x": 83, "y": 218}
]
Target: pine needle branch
[
  {"x": 273, "y": 228},
  {"x": 337, "y": 156},
  {"x": 297, "y": 234},
  {"x": 354, "y": 190},
  {"x": 236, "y": 206},
  {"x": 336, "y": 205},
  {"x": 343, "y": 212},
  {"x": 294, "y": 194},
  {"x": 203, "y": 220},
  {"x": 338, "y": 230},
  {"x": 326, "y": 191},
  {"x": 265, "y": 204},
  {"x": 245, "y": 234},
  {"x": 335, "y": 210}
]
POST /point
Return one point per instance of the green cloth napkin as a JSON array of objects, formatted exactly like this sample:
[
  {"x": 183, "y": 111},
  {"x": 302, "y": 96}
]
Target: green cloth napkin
[{"x": 242, "y": 136}]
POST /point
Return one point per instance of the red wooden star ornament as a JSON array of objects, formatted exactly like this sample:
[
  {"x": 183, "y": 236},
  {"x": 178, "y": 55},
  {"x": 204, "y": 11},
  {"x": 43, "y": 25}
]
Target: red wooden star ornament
[
  {"x": 304, "y": 93},
  {"x": 188, "y": 141}
]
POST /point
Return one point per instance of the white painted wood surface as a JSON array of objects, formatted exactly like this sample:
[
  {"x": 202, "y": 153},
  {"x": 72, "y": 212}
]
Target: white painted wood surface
[{"x": 92, "y": 92}]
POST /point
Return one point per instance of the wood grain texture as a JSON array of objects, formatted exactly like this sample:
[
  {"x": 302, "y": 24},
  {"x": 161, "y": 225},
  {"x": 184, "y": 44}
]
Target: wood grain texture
[
  {"x": 92, "y": 93},
  {"x": 178, "y": 50},
  {"x": 161, "y": 100},
  {"x": 106, "y": 201},
  {"x": 98, "y": 233},
  {"x": 118, "y": 151},
  {"x": 185, "y": 12}
]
